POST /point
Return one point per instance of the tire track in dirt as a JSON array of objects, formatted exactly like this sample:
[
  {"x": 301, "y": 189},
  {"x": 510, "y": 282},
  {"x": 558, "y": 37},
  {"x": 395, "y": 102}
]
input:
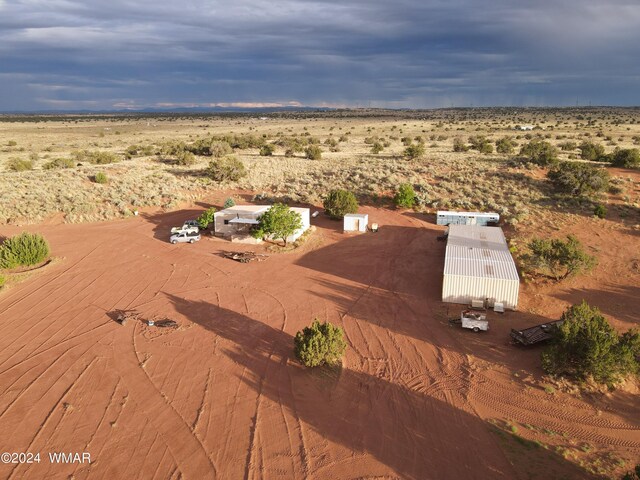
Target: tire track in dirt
[
  {"x": 37, "y": 288},
  {"x": 566, "y": 422},
  {"x": 254, "y": 451},
  {"x": 189, "y": 453},
  {"x": 49, "y": 337},
  {"x": 550, "y": 409},
  {"x": 40, "y": 406},
  {"x": 35, "y": 382},
  {"x": 62, "y": 345},
  {"x": 33, "y": 313},
  {"x": 72, "y": 295},
  {"x": 200, "y": 409}
]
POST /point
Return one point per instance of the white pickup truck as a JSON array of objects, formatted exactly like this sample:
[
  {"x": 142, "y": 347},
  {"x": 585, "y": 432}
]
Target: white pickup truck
[
  {"x": 188, "y": 226},
  {"x": 184, "y": 237}
]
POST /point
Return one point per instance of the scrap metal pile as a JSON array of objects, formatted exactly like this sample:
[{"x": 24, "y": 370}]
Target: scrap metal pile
[{"x": 245, "y": 257}]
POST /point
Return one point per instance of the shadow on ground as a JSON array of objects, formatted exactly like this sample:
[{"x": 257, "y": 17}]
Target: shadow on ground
[
  {"x": 622, "y": 303},
  {"x": 417, "y": 436}
]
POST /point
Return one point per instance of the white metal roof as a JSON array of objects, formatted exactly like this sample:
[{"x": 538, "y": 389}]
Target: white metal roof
[
  {"x": 250, "y": 209},
  {"x": 477, "y": 251},
  {"x": 356, "y": 215}
]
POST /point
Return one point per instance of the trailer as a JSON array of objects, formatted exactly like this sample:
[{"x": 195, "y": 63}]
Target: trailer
[
  {"x": 535, "y": 334},
  {"x": 467, "y": 218},
  {"x": 475, "y": 320}
]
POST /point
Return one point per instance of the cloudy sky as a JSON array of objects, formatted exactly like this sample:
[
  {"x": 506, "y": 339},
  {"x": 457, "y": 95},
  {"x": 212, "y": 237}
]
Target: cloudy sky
[{"x": 114, "y": 54}]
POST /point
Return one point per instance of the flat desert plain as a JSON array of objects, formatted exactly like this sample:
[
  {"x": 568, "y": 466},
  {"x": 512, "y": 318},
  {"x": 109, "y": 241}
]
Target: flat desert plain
[{"x": 221, "y": 395}]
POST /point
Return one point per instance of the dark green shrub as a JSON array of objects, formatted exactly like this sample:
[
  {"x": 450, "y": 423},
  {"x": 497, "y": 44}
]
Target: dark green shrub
[
  {"x": 505, "y": 145},
  {"x": 481, "y": 144},
  {"x": 226, "y": 169},
  {"x": 600, "y": 211},
  {"x": 558, "y": 258},
  {"x": 57, "y": 163},
  {"x": 229, "y": 202},
  {"x": 220, "y": 149},
  {"x": 579, "y": 179},
  {"x": 340, "y": 202},
  {"x": 245, "y": 141},
  {"x": 405, "y": 196},
  {"x": 486, "y": 148},
  {"x": 279, "y": 222},
  {"x": 568, "y": 146},
  {"x": 414, "y": 151},
  {"x": 202, "y": 147},
  {"x": 100, "y": 177},
  {"x": 267, "y": 150},
  {"x": 319, "y": 344},
  {"x": 3, "y": 280},
  {"x": 376, "y": 148},
  {"x": 12, "y": 143},
  {"x": 136, "y": 151},
  {"x": 587, "y": 346},
  {"x": 172, "y": 149},
  {"x": 23, "y": 250},
  {"x": 459, "y": 145},
  {"x": 539, "y": 152},
  {"x": 185, "y": 158},
  {"x": 625, "y": 158},
  {"x": 19, "y": 165},
  {"x": 97, "y": 158},
  {"x": 313, "y": 152},
  {"x": 591, "y": 151},
  {"x": 207, "y": 217}
]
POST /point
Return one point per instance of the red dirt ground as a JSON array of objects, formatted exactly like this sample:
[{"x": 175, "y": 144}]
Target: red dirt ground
[{"x": 222, "y": 397}]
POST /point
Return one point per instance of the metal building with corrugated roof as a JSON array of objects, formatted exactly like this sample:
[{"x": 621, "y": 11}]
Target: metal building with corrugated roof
[{"x": 478, "y": 266}]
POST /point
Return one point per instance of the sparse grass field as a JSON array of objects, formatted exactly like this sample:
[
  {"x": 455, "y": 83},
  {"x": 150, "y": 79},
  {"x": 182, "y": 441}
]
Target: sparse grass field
[{"x": 443, "y": 179}]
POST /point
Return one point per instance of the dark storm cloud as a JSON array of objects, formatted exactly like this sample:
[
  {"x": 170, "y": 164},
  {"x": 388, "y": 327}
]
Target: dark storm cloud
[{"x": 407, "y": 53}]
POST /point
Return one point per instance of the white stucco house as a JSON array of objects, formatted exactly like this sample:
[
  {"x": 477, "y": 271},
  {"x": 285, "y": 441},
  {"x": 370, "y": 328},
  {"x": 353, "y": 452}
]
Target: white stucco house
[{"x": 235, "y": 223}]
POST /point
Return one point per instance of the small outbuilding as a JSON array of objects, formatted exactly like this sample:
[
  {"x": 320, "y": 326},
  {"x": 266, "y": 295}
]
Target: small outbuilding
[
  {"x": 356, "y": 222},
  {"x": 478, "y": 266}
]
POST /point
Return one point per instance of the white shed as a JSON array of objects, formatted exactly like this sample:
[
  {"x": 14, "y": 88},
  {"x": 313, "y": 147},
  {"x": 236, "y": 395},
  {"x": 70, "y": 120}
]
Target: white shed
[
  {"x": 478, "y": 266},
  {"x": 356, "y": 222}
]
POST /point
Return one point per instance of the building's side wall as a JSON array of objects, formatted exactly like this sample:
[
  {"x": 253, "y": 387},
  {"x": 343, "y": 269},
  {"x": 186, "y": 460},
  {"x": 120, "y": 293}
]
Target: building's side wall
[
  {"x": 454, "y": 220},
  {"x": 351, "y": 224},
  {"x": 220, "y": 227},
  {"x": 464, "y": 220},
  {"x": 363, "y": 223},
  {"x": 462, "y": 289},
  {"x": 306, "y": 223}
]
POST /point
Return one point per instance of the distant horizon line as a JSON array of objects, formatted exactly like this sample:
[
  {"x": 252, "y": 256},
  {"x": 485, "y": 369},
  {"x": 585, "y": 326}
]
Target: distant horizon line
[{"x": 297, "y": 108}]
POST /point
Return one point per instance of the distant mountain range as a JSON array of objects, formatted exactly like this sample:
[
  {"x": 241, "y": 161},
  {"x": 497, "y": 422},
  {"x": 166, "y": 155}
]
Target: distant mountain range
[{"x": 171, "y": 110}]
